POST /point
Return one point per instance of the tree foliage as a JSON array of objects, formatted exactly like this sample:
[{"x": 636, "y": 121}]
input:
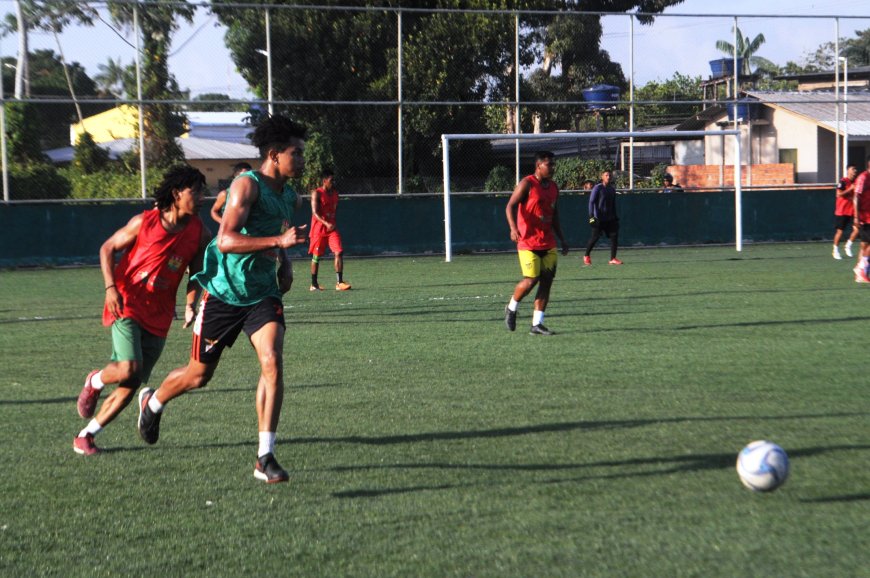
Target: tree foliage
[
  {"x": 451, "y": 57},
  {"x": 678, "y": 88}
]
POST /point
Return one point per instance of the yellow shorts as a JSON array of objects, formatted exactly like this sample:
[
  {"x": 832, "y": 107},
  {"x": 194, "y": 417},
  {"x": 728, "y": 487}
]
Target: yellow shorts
[{"x": 534, "y": 262}]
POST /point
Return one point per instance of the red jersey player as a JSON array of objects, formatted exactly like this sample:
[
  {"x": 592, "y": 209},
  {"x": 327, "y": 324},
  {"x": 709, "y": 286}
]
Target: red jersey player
[
  {"x": 324, "y": 204},
  {"x": 156, "y": 247},
  {"x": 533, "y": 218},
  {"x": 844, "y": 212},
  {"x": 862, "y": 221}
]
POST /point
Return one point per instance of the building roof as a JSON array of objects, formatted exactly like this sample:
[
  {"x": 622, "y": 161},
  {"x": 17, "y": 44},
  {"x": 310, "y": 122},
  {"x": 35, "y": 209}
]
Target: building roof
[
  {"x": 855, "y": 72},
  {"x": 194, "y": 149},
  {"x": 819, "y": 107}
]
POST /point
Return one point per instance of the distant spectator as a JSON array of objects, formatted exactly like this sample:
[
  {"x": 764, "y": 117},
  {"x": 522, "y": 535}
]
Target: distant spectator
[
  {"x": 217, "y": 210},
  {"x": 588, "y": 184},
  {"x": 670, "y": 185}
]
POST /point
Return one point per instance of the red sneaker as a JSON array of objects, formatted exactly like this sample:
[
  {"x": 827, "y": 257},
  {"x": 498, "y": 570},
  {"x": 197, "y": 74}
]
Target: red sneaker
[
  {"x": 88, "y": 397},
  {"x": 615, "y": 261},
  {"x": 861, "y": 277},
  {"x": 85, "y": 445},
  {"x": 587, "y": 260}
]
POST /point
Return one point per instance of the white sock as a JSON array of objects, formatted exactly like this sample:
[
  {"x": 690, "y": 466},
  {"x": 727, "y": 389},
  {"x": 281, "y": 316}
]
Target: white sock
[
  {"x": 97, "y": 380},
  {"x": 512, "y": 306},
  {"x": 154, "y": 404},
  {"x": 848, "y": 243},
  {"x": 537, "y": 317},
  {"x": 92, "y": 428},
  {"x": 267, "y": 443}
]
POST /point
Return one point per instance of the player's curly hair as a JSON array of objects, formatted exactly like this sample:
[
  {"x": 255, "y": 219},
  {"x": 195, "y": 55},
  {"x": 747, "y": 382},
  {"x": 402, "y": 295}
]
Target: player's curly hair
[
  {"x": 176, "y": 179},
  {"x": 276, "y": 132}
]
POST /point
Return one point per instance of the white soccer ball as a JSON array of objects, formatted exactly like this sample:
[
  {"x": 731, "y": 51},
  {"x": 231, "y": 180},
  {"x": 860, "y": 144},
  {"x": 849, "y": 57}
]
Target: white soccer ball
[{"x": 762, "y": 466}]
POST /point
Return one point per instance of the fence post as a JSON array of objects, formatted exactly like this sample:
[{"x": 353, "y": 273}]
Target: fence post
[
  {"x": 142, "y": 164},
  {"x": 401, "y": 163}
]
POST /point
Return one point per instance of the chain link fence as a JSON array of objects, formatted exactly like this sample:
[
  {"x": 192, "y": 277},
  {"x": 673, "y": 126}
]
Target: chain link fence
[{"x": 377, "y": 88}]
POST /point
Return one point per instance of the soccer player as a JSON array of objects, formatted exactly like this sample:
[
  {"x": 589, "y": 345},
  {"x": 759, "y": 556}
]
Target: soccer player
[
  {"x": 217, "y": 209},
  {"x": 603, "y": 218},
  {"x": 533, "y": 217},
  {"x": 844, "y": 212},
  {"x": 324, "y": 204},
  {"x": 670, "y": 186},
  {"x": 242, "y": 291},
  {"x": 156, "y": 247},
  {"x": 862, "y": 221}
]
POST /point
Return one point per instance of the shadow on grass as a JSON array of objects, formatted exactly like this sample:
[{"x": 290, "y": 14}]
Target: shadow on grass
[
  {"x": 766, "y": 323},
  {"x": 846, "y": 498},
  {"x": 638, "y": 468},
  {"x": 544, "y": 428}
]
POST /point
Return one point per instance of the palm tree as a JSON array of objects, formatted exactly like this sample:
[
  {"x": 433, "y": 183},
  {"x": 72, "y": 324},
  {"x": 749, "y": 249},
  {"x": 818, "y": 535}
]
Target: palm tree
[
  {"x": 110, "y": 78},
  {"x": 746, "y": 50}
]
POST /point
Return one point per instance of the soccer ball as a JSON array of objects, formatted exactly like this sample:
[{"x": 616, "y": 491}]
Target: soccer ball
[{"x": 762, "y": 466}]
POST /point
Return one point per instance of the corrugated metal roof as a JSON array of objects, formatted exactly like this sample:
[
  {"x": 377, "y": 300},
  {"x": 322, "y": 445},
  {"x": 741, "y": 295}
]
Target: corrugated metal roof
[
  {"x": 194, "y": 149},
  {"x": 819, "y": 106}
]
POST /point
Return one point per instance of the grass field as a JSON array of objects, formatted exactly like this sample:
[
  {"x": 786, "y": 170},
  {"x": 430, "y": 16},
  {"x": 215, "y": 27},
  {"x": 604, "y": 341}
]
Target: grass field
[{"x": 424, "y": 439}]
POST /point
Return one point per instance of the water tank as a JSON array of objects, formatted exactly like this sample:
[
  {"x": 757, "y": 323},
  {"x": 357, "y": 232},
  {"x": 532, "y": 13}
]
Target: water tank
[
  {"x": 724, "y": 67},
  {"x": 603, "y": 94},
  {"x": 745, "y": 109}
]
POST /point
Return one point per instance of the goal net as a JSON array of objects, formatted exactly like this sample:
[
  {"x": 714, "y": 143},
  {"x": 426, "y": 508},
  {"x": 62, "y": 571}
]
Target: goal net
[{"x": 446, "y": 139}]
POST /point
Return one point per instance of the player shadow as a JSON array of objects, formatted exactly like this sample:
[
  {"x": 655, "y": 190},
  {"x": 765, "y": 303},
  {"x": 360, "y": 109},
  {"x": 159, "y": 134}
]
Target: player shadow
[
  {"x": 845, "y": 498},
  {"x": 542, "y": 428},
  {"x": 773, "y": 323},
  {"x": 653, "y": 466},
  {"x": 50, "y": 400}
]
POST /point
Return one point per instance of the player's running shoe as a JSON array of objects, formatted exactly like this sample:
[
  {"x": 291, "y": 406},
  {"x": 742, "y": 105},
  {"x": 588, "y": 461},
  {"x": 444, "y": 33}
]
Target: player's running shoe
[
  {"x": 614, "y": 261},
  {"x": 342, "y": 286},
  {"x": 268, "y": 470},
  {"x": 849, "y": 248},
  {"x": 88, "y": 397},
  {"x": 149, "y": 422},
  {"x": 510, "y": 318},
  {"x": 539, "y": 329},
  {"x": 315, "y": 288},
  {"x": 85, "y": 445},
  {"x": 587, "y": 260},
  {"x": 836, "y": 254},
  {"x": 861, "y": 277}
]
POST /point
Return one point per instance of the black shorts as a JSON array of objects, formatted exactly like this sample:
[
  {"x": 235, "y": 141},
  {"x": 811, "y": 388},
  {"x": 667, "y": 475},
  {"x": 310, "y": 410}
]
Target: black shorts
[
  {"x": 218, "y": 324},
  {"x": 864, "y": 233},
  {"x": 843, "y": 222}
]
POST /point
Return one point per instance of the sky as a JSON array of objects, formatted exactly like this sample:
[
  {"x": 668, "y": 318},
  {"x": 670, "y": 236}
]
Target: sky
[{"x": 202, "y": 64}]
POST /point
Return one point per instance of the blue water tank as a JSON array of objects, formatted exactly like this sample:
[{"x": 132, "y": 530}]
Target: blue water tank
[
  {"x": 724, "y": 67},
  {"x": 744, "y": 109},
  {"x": 599, "y": 95}
]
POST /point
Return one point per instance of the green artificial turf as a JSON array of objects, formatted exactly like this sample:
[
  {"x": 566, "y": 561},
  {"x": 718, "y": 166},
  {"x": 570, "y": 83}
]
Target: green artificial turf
[{"x": 424, "y": 439}]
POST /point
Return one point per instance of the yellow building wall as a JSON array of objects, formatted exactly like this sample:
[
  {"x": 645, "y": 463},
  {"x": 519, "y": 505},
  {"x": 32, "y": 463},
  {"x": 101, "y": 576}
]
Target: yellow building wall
[{"x": 117, "y": 123}]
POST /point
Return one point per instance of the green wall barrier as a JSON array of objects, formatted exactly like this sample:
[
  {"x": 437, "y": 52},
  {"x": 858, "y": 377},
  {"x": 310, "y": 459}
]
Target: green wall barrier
[{"x": 61, "y": 234}]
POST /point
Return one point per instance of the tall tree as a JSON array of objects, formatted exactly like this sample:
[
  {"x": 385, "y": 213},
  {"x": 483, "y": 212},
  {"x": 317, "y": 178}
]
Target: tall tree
[
  {"x": 110, "y": 77},
  {"x": 163, "y": 122}
]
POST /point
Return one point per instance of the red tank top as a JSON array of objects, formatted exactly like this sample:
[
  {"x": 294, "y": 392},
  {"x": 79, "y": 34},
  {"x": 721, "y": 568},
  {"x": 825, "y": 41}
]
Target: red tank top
[
  {"x": 327, "y": 204},
  {"x": 535, "y": 216},
  {"x": 862, "y": 191},
  {"x": 845, "y": 206},
  {"x": 148, "y": 275}
]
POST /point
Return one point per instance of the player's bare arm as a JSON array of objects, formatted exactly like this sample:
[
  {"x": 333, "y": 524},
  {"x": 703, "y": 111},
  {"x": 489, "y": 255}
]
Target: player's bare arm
[
  {"x": 242, "y": 196},
  {"x": 521, "y": 192},
  {"x": 194, "y": 267},
  {"x": 218, "y": 205},
  {"x": 120, "y": 241},
  {"x": 315, "y": 202}
]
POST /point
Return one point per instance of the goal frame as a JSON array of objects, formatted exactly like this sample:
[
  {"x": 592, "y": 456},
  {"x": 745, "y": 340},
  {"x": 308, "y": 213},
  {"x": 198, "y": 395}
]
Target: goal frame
[{"x": 446, "y": 139}]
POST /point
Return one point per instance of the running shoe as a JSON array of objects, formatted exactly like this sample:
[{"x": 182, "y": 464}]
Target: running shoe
[
  {"x": 587, "y": 260},
  {"x": 836, "y": 253},
  {"x": 268, "y": 470},
  {"x": 539, "y": 329},
  {"x": 88, "y": 397},
  {"x": 149, "y": 422},
  {"x": 510, "y": 318},
  {"x": 849, "y": 248},
  {"x": 85, "y": 445},
  {"x": 315, "y": 288},
  {"x": 342, "y": 286},
  {"x": 615, "y": 261}
]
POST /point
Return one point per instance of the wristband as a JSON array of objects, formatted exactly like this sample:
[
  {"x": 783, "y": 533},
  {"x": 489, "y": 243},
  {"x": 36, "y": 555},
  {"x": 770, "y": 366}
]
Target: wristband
[{"x": 110, "y": 286}]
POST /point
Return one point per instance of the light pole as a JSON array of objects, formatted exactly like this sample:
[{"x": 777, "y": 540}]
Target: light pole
[
  {"x": 845, "y": 113},
  {"x": 268, "y": 54}
]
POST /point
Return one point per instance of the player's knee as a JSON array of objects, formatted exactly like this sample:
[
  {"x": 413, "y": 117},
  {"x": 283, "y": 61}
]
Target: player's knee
[
  {"x": 315, "y": 258},
  {"x": 128, "y": 373}
]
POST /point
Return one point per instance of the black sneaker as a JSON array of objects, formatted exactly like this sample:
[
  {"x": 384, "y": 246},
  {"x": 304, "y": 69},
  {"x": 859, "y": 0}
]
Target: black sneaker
[
  {"x": 268, "y": 470},
  {"x": 149, "y": 422},
  {"x": 539, "y": 329},
  {"x": 510, "y": 318}
]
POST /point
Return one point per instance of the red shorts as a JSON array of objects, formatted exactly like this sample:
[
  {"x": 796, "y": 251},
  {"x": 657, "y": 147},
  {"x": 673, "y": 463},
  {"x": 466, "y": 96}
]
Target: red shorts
[{"x": 318, "y": 244}]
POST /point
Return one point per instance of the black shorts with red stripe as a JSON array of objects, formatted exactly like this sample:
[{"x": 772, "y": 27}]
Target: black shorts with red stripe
[{"x": 218, "y": 324}]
